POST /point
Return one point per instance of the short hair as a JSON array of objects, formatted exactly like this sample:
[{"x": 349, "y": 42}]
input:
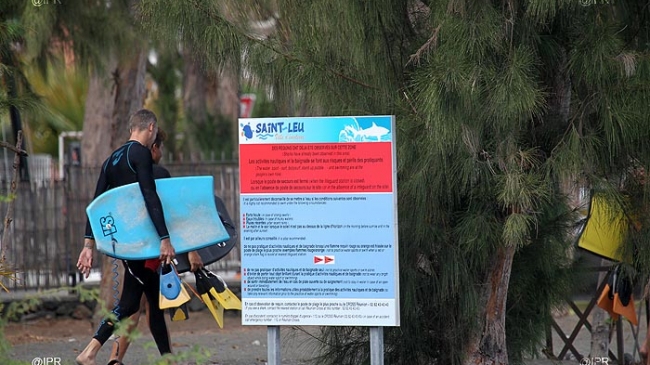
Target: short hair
[
  {"x": 161, "y": 137},
  {"x": 141, "y": 120}
]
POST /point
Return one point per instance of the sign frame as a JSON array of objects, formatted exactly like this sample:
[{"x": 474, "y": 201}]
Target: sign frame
[{"x": 318, "y": 200}]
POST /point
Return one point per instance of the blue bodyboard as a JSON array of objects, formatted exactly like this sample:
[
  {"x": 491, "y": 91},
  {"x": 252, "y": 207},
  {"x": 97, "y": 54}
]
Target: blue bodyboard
[
  {"x": 216, "y": 252},
  {"x": 123, "y": 229}
]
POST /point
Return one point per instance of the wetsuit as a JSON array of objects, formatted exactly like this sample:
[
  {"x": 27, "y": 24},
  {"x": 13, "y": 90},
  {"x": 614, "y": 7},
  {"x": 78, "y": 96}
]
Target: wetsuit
[
  {"x": 132, "y": 163},
  {"x": 160, "y": 172}
]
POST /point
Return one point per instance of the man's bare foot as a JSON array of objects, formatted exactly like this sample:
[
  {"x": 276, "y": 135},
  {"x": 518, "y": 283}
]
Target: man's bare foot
[
  {"x": 84, "y": 359},
  {"x": 87, "y": 356}
]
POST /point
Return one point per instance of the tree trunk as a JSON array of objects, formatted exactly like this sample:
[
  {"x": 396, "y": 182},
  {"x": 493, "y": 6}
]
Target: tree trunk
[
  {"x": 222, "y": 98},
  {"x": 112, "y": 97},
  {"x": 17, "y": 125},
  {"x": 13, "y": 90},
  {"x": 129, "y": 98},
  {"x": 490, "y": 346},
  {"x": 194, "y": 102},
  {"x": 5, "y": 243},
  {"x": 98, "y": 118},
  {"x": 96, "y": 146},
  {"x": 600, "y": 329},
  {"x": 130, "y": 95}
]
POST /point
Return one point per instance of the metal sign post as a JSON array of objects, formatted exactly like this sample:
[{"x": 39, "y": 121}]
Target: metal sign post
[
  {"x": 273, "y": 343},
  {"x": 376, "y": 345}
]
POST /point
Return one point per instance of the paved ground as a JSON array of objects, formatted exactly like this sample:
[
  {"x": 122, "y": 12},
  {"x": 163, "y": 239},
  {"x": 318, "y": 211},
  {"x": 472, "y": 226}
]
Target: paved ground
[{"x": 233, "y": 345}]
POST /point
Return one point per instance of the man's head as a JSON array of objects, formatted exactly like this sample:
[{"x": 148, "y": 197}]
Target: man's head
[
  {"x": 156, "y": 147},
  {"x": 144, "y": 124}
]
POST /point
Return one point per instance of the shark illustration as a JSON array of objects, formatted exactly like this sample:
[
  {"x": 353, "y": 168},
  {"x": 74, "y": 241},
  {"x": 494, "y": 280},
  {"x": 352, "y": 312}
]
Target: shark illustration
[{"x": 373, "y": 131}]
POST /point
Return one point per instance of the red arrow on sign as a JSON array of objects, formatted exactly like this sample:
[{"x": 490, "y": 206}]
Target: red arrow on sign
[
  {"x": 318, "y": 259},
  {"x": 329, "y": 259}
]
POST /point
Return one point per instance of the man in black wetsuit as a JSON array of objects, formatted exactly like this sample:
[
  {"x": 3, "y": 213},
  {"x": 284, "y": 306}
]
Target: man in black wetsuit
[
  {"x": 122, "y": 344},
  {"x": 132, "y": 163}
]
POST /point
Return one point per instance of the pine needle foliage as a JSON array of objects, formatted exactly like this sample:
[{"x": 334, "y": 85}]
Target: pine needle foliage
[
  {"x": 87, "y": 31},
  {"x": 45, "y": 46},
  {"x": 12, "y": 33},
  {"x": 500, "y": 106}
]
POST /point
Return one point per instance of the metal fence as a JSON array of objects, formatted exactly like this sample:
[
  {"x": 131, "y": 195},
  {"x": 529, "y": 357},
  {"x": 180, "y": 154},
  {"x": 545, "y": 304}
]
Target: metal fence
[{"x": 47, "y": 233}]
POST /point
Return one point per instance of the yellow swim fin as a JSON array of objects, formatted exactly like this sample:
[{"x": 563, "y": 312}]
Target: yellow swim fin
[
  {"x": 219, "y": 290},
  {"x": 214, "y": 307},
  {"x": 179, "y": 314},
  {"x": 215, "y": 294},
  {"x": 228, "y": 299}
]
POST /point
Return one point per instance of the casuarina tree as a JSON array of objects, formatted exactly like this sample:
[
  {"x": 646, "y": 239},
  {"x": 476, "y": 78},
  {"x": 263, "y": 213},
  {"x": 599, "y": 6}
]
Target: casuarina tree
[
  {"x": 102, "y": 40},
  {"x": 503, "y": 107}
]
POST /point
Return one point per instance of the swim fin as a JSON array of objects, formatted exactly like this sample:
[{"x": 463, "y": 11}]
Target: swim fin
[
  {"x": 214, "y": 307},
  {"x": 229, "y": 300},
  {"x": 208, "y": 295},
  {"x": 623, "y": 302},
  {"x": 219, "y": 290},
  {"x": 208, "y": 282},
  {"x": 626, "y": 311},
  {"x": 180, "y": 313},
  {"x": 172, "y": 292},
  {"x": 606, "y": 302}
]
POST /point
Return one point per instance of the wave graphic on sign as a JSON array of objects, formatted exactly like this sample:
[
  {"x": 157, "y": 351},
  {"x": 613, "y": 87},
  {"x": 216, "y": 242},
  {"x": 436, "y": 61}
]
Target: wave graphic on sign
[{"x": 264, "y": 136}]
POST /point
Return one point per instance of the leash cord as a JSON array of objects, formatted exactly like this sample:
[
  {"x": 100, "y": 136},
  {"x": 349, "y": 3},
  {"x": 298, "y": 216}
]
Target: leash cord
[{"x": 116, "y": 284}]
